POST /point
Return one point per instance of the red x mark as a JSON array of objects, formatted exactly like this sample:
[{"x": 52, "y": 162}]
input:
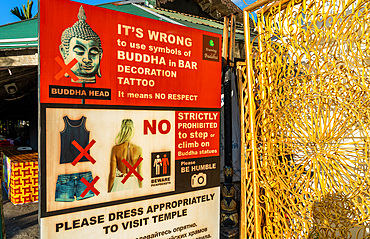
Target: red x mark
[
  {"x": 90, "y": 186},
  {"x": 83, "y": 152},
  {"x": 66, "y": 69},
  {"x": 132, "y": 170}
]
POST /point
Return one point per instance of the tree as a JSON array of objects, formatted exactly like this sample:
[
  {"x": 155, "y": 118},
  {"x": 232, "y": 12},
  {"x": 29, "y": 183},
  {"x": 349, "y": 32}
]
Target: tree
[{"x": 25, "y": 13}]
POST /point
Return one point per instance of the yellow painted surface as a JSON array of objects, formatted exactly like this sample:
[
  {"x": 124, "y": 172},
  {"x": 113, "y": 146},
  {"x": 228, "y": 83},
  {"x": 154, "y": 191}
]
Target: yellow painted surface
[{"x": 306, "y": 97}]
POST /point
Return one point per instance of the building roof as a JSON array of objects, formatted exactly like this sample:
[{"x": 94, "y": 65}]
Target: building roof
[
  {"x": 19, "y": 34},
  {"x": 199, "y": 22},
  {"x": 215, "y": 8},
  {"x": 220, "y": 8},
  {"x": 23, "y": 34}
]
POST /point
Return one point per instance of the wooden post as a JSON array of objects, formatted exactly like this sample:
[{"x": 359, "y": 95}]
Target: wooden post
[
  {"x": 225, "y": 40},
  {"x": 232, "y": 40}
]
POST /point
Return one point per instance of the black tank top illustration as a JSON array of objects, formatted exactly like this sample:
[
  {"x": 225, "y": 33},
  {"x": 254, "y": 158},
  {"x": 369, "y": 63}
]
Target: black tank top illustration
[{"x": 73, "y": 130}]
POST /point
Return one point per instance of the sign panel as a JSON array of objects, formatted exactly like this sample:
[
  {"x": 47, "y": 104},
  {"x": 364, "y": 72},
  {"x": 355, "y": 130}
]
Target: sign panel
[{"x": 130, "y": 112}]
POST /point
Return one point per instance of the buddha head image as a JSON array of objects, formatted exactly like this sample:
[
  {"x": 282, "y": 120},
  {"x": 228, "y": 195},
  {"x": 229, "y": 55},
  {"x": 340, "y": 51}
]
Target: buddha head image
[{"x": 80, "y": 42}]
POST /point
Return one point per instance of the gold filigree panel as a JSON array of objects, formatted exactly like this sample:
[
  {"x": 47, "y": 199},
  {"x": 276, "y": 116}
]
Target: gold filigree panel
[{"x": 311, "y": 106}]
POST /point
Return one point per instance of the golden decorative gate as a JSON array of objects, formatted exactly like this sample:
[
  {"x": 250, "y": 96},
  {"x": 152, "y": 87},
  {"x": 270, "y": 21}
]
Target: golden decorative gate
[{"x": 306, "y": 96}]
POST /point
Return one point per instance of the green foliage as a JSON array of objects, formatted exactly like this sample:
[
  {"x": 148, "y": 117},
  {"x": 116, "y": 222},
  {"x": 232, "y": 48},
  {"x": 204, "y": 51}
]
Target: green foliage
[
  {"x": 25, "y": 12},
  {"x": 18, "y": 13},
  {"x": 316, "y": 236}
]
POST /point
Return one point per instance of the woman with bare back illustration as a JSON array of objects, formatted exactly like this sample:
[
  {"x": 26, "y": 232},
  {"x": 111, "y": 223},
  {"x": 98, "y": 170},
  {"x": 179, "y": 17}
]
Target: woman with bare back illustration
[{"x": 125, "y": 163}]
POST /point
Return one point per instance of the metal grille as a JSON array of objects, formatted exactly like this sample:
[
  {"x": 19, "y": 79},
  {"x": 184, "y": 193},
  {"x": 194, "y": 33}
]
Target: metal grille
[{"x": 306, "y": 121}]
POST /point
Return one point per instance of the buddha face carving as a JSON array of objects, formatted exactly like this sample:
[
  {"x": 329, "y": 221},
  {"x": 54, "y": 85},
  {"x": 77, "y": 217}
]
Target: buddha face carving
[{"x": 80, "y": 42}]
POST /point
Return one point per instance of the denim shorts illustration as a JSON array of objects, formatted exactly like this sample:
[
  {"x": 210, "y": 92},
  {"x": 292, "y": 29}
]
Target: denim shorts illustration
[{"x": 70, "y": 187}]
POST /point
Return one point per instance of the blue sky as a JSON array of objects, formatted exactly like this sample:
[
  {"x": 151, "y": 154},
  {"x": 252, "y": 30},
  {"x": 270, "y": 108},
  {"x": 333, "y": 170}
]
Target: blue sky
[{"x": 7, "y": 17}]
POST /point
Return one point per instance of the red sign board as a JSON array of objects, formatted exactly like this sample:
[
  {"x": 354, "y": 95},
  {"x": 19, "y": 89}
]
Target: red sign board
[{"x": 142, "y": 62}]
